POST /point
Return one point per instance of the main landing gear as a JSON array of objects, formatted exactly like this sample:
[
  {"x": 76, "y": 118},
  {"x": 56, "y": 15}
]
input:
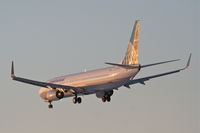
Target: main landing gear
[
  {"x": 106, "y": 98},
  {"x": 77, "y": 100}
]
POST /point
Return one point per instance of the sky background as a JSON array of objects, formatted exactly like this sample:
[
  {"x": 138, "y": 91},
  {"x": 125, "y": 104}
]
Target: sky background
[{"x": 48, "y": 38}]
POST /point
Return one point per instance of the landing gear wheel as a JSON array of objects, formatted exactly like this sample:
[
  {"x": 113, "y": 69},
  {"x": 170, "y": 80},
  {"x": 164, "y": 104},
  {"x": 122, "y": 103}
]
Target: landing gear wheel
[
  {"x": 104, "y": 99},
  {"x": 79, "y": 100},
  {"x": 50, "y": 105},
  {"x": 108, "y": 99},
  {"x": 74, "y": 100},
  {"x": 59, "y": 94}
]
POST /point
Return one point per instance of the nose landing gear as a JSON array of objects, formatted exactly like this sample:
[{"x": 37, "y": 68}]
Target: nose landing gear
[{"x": 50, "y": 105}]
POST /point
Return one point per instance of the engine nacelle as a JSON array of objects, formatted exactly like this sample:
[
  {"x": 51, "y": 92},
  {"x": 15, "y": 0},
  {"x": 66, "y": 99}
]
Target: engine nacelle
[
  {"x": 110, "y": 93},
  {"x": 100, "y": 94},
  {"x": 51, "y": 95}
]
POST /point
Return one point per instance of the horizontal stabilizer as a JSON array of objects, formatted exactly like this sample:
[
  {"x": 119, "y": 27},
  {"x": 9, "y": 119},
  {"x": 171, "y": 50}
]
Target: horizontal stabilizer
[
  {"x": 142, "y": 80},
  {"x": 139, "y": 66},
  {"x": 124, "y": 66}
]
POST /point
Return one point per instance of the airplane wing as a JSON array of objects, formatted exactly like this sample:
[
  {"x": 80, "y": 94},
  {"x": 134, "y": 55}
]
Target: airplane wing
[
  {"x": 142, "y": 80},
  {"x": 44, "y": 84}
]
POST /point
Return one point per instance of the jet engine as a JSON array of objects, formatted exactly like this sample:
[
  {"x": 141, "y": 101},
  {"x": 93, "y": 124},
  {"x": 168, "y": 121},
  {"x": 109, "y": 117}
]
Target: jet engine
[
  {"x": 101, "y": 94},
  {"x": 54, "y": 95}
]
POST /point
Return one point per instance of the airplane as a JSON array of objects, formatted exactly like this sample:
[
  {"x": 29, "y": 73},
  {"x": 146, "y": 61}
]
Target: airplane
[{"x": 101, "y": 82}]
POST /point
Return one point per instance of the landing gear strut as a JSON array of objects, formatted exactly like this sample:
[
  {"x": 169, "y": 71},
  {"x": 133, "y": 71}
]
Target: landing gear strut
[{"x": 50, "y": 105}]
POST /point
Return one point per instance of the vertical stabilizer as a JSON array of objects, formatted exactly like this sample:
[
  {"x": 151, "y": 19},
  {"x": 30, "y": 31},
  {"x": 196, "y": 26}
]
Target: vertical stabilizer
[{"x": 131, "y": 56}]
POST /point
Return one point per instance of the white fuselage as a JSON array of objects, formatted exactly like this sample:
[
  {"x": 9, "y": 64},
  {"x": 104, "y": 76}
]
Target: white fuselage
[{"x": 94, "y": 81}]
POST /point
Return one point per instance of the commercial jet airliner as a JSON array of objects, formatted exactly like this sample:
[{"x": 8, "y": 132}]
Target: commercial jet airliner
[{"x": 101, "y": 82}]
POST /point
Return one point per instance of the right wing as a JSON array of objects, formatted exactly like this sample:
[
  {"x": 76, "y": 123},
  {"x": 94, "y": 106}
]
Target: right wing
[
  {"x": 142, "y": 80},
  {"x": 45, "y": 84}
]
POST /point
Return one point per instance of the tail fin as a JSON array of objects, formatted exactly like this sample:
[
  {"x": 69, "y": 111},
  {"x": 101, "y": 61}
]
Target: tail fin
[{"x": 131, "y": 56}]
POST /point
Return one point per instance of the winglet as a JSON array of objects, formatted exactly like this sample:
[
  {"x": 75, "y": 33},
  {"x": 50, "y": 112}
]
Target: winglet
[
  {"x": 12, "y": 70},
  {"x": 188, "y": 62}
]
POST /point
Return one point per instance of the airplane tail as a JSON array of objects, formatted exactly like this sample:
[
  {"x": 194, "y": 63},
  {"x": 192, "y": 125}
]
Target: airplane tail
[{"x": 131, "y": 56}]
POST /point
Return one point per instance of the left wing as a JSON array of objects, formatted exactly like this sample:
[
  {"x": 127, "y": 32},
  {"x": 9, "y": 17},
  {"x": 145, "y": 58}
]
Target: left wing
[
  {"x": 44, "y": 84},
  {"x": 142, "y": 80}
]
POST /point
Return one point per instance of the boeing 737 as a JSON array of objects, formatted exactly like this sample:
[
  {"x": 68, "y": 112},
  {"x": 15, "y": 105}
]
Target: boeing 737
[{"x": 101, "y": 82}]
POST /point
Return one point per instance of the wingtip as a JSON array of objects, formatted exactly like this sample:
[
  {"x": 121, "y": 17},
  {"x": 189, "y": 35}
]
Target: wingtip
[
  {"x": 188, "y": 62},
  {"x": 12, "y": 70}
]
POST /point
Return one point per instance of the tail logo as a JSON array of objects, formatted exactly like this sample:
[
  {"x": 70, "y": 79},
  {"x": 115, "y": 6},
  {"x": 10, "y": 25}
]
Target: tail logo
[{"x": 131, "y": 56}]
